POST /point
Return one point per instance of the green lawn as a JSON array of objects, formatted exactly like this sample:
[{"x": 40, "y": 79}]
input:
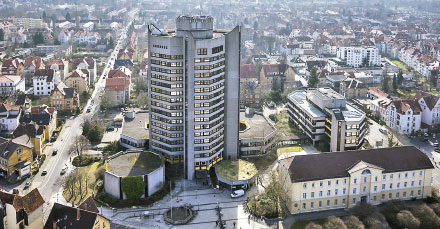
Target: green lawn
[
  {"x": 399, "y": 64},
  {"x": 303, "y": 224},
  {"x": 289, "y": 149}
]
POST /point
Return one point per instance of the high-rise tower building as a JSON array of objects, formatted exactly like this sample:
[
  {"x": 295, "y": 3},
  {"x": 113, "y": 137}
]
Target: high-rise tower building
[{"x": 194, "y": 93}]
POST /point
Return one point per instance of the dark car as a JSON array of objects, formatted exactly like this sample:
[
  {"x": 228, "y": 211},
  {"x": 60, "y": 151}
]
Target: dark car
[
  {"x": 54, "y": 152},
  {"x": 110, "y": 128}
]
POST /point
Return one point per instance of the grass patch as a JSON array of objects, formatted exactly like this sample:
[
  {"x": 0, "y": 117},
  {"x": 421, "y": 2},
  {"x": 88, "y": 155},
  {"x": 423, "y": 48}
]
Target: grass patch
[
  {"x": 303, "y": 224},
  {"x": 84, "y": 160},
  {"x": 399, "y": 64},
  {"x": 92, "y": 179},
  {"x": 264, "y": 162},
  {"x": 236, "y": 170},
  {"x": 40, "y": 100},
  {"x": 289, "y": 149},
  {"x": 284, "y": 126}
]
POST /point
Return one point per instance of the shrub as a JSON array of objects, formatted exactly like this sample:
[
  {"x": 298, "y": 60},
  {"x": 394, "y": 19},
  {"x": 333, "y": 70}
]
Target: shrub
[
  {"x": 369, "y": 215},
  {"x": 353, "y": 222},
  {"x": 436, "y": 208},
  {"x": 82, "y": 160},
  {"x": 133, "y": 187},
  {"x": 93, "y": 130},
  {"x": 390, "y": 210},
  {"x": 313, "y": 225},
  {"x": 428, "y": 218},
  {"x": 334, "y": 222},
  {"x": 407, "y": 220},
  {"x": 113, "y": 148}
]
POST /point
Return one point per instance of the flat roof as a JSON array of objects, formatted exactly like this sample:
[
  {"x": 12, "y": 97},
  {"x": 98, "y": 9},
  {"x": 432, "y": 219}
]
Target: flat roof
[
  {"x": 136, "y": 128},
  {"x": 134, "y": 164},
  {"x": 301, "y": 100},
  {"x": 258, "y": 126},
  {"x": 351, "y": 113},
  {"x": 326, "y": 93}
]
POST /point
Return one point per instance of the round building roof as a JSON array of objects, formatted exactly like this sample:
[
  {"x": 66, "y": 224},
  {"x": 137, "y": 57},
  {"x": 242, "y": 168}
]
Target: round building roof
[{"x": 134, "y": 164}]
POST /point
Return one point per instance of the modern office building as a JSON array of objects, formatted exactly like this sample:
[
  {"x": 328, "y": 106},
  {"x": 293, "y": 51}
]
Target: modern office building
[
  {"x": 194, "y": 93},
  {"x": 320, "y": 111},
  {"x": 29, "y": 23},
  {"x": 318, "y": 182}
]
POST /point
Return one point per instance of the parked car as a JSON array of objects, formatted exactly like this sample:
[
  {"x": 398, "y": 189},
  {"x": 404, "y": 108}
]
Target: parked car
[
  {"x": 426, "y": 134},
  {"x": 237, "y": 193},
  {"x": 54, "y": 152},
  {"x": 110, "y": 128},
  {"x": 44, "y": 172},
  {"x": 436, "y": 144},
  {"x": 383, "y": 130},
  {"x": 63, "y": 170},
  {"x": 27, "y": 185},
  {"x": 89, "y": 109}
]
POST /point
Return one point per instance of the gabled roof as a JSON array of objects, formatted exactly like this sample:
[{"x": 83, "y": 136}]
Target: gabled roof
[
  {"x": 29, "y": 202},
  {"x": 7, "y": 147},
  {"x": 78, "y": 73},
  {"x": 402, "y": 105},
  {"x": 430, "y": 99},
  {"x": 333, "y": 165},
  {"x": 39, "y": 118},
  {"x": 117, "y": 73},
  {"x": 9, "y": 78},
  {"x": 35, "y": 61},
  {"x": 66, "y": 91},
  {"x": 89, "y": 205},
  {"x": 248, "y": 71},
  {"x": 66, "y": 217},
  {"x": 5, "y": 107},
  {"x": 45, "y": 72},
  {"x": 31, "y": 129},
  {"x": 12, "y": 63}
]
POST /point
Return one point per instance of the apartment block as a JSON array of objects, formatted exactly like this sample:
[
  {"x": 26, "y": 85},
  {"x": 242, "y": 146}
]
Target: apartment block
[
  {"x": 358, "y": 56},
  {"x": 404, "y": 116},
  {"x": 320, "y": 111},
  {"x": 29, "y": 23},
  {"x": 194, "y": 93},
  {"x": 339, "y": 180}
]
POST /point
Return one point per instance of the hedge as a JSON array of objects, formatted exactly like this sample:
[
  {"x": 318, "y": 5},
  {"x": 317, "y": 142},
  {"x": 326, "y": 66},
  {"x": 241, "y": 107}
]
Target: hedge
[{"x": 133, "y": 187}]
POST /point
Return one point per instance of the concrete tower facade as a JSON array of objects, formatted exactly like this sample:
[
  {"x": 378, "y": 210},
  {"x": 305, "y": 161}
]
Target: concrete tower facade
[{"x": 194, "y": 93}]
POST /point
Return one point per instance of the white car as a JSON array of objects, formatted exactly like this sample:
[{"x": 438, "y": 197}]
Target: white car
[
  {"x": 383, "y": 130},
  {"x": 237, "y": 193}
]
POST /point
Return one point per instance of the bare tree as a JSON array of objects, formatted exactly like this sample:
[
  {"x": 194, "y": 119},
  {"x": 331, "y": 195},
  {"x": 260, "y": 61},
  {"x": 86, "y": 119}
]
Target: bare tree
[
  {"x": 313, "y": 225},
  {"x": 79, "y": 144},
  {"x": 353, "y": 222},
  {"x": 407, "y": 220},
  {"x": 109, "y": 99},
  {"x": 428, "y": 218},
  {"x": 334, "y": 222}
]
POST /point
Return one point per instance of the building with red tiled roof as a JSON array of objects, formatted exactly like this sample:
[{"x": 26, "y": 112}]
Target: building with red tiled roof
[
  {"x": 248, "y": 73},
  {"x": 88, "y": 63},
  {"x": 22, "y": 210},
  {"x": 9, "y": 116},
  {"x": 9, "y": 84},
  {"x": 120, "y": 88},
  {"x": 78, "y": 79},
  {"x": 404, "y": 116},
  {"x": 13, "y": 67}
]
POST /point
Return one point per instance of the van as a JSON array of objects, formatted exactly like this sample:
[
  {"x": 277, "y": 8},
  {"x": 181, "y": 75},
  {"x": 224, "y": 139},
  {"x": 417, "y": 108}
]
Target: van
[{"x": 237, "y": 193}]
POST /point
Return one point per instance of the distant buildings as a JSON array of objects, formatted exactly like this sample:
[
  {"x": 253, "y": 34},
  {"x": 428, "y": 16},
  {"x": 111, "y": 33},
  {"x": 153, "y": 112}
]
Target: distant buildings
[
  {"x": 323, "y": 111},
  {"x": 194, "y": 93},
  {"x": 338, "y": 180},
  {"x": 29, "y": 23}
]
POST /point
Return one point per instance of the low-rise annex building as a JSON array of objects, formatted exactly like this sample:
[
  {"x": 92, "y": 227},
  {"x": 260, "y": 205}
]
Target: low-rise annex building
[
  {"x": 318, "y": 182},
  {"x": 257, "y": 134}
]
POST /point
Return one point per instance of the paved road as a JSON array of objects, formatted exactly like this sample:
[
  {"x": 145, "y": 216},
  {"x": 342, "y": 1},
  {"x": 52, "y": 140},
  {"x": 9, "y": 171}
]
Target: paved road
[{"x": 50, "y": 185}]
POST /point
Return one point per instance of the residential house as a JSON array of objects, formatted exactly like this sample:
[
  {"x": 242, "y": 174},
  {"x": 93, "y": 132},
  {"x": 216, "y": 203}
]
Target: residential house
[
  {"x": 64, "y": 98},
  {"x": 30, "y": 65},
  {"x": 121, "y": 87},
  {"x": 430, "y": 106},
  {"x": 9, "y": 84},
  {"x": 341, "y": 180},
  {"x": 88, "y": 26},
  {"x": 21, "y": 100},
  {"x": 21, "y": 211},
  {"x": 250, "y": 92},
  {"x": 353, "y": 88},
  {"x": 63, "y": 216},
  {"x": 13, "y": 67},
  {"x": 16, "y": 156},
  {"x": 43, "y": 82},
  {"x": 59, "y": 65},
  {"x": 64, "y": 36},
  {"x": 404, "y": 116},
  {"x": 9, "y": 117},
  {"x": 88, "y": 63},
  {"x": 19, "y": 38},
  {"x": 86, "y": 38},
  {"x": 36, "y": 134},
  {"x": 273, "y": 76},
  {"x": 119, "y": 72},
  {"x": 44, "y": 115},
  {"x": 78, "y": 79}
]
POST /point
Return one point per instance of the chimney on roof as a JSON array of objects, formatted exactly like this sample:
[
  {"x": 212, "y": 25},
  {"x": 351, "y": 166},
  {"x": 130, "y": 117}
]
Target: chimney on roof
[
  {"x": 54, "y": 225},
  {"x": 78, "y": 214},
  {"x": 73, "y": 205},
  {"x": 15, "y": 191}
]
